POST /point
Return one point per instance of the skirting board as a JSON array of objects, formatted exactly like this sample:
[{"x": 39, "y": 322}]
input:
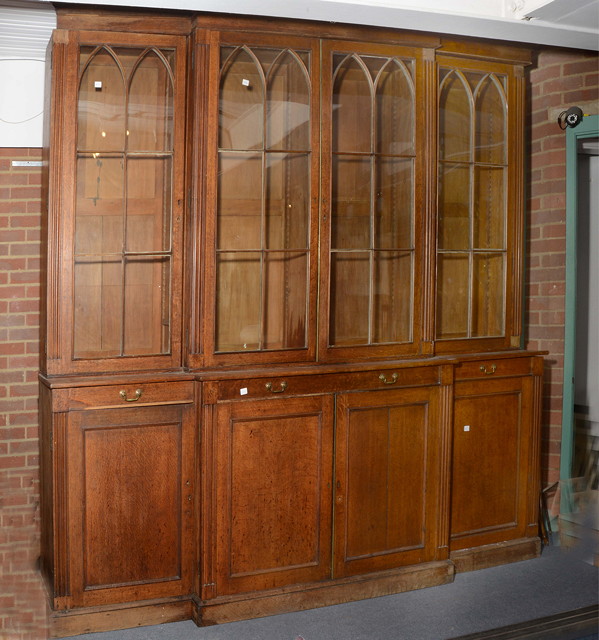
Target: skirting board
[
  {"x": 492, "y": 555},
  {"x": 312, "y": 596}
]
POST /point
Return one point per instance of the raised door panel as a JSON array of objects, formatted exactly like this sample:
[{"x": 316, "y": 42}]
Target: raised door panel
[
  {"x": 273, "y": 466},
  {"x": 491, "y": 451},
  {"x": 388, "y": 479},
  {"x": 131, "y": 486}
]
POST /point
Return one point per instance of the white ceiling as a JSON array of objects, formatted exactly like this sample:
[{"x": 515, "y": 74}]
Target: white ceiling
[{"x": 25, "y": 25}]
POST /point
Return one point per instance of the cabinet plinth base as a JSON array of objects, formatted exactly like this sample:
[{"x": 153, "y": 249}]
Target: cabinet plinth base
[
  {"x": 258, "y": 605},
  {"x": 110, "y": 617},
  {"x": 492, "y": 555}
]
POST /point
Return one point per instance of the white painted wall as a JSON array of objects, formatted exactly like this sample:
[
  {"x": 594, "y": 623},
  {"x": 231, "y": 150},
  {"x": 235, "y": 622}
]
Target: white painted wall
[{"x": 21, "y": 102}]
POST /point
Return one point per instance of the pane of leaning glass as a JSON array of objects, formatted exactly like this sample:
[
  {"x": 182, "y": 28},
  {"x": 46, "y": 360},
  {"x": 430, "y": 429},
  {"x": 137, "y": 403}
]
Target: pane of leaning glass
[
  {"x": 488, "y": 294},
  {"x": 147, "y": 305},
  {"x": 287, "y": 200},
  {"x": 99, "y": 205},
  {"x": 150, "y": 121},
  {"x": 285, "y": 299},
  {"x": 489, "y": 208},
  {"x": 241, "y": 106},
  {"x": 239, "y": 301},
  {"x": 350, "y": 299},
  {"x": 393, "y": 297},
  {"x": 454, "y": 207},
  {"x": 351, "y": 194},
  {"x": 101, "y": 109},
  {"x": 393, "y": 222},
  {"x": 288, "y": 108},
  {"x": 149, "y": 188},
  {"x": 98, "y": 297},
  {"x": 452, "y": 295},
  {"x": 239, "y": 215}
]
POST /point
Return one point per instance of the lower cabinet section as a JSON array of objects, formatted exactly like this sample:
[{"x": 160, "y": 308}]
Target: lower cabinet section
[
  {"x": 122, "y": 482},
  {"x": 226, "y": 499}
]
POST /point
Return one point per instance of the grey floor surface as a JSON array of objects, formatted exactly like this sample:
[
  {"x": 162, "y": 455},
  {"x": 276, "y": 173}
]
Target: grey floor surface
[{"x": 557, "y": 582}]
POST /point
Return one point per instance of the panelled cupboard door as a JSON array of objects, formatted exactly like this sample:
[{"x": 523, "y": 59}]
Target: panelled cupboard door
[
  {"x": 130, "y": 508},
  {"x": 261, "y": 201},
  {"x": 388, "y": 479},
  {"x": 273, "y": 491},
  {"x": 491, "y": 471},
  {"x": 479, "y": 208},
  {"x": 374, "y": 150},
  {"x": 116, "y": 222}
]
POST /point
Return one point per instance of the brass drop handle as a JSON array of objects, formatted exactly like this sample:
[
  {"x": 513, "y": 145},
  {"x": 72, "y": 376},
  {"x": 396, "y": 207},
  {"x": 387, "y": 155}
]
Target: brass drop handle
[
  {"x": 283, "y": 386},
  {"x": 135, "y": 398},
  {"x": 490, "y": 371},
  {"x": 383, "y": 378}
]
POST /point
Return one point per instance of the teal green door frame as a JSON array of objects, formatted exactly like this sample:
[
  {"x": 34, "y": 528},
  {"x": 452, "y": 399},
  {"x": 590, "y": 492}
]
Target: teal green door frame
[{"x": 588, "y": 128}]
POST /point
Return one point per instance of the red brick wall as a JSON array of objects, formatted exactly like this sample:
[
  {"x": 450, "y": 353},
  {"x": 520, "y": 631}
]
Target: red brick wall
[
  {"x": 22, "y": 604},
  {"x": 560, "y": 79}
]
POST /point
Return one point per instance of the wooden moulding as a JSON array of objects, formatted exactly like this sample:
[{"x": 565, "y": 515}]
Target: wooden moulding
[
  {"x": 260, "y": 604},
  {"x": 94, "y": 619},
  {"x": 492, "y": 555}
]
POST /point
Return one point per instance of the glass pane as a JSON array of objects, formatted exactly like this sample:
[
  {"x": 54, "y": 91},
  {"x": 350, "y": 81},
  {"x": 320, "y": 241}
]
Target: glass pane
[
  {"x": 288, "y": 111},
  {"x": 392, "y": 321},
  {"x": 395, "y": 111},
  {"x": 490, "y": 123},
  {"x": 488, "y": 295},
  {"x": 150, "y": 123},
  {"x": 239, "y": 201},
  {"x": 148, "y": 204},
  {"x": 452, "y": 296},
  {"x": 489, "y": 208},
  {"x": 101, "y": 118},
  {"x": 241, "y": 104},
  {"x": 98, "y": 311},
  {"x": 455, "y": 120},
  {"x": 393, "y": 222},
  {"x": 454, "y": 207},
  {"x": 350, "y": 304},
  {"x": 352, "y": 108},
  {"x": 286, "y": 297},
  {"x": 350, "y": 228},
  {"x": 147, "y": 307},
  {"x": 287, "y": 200},
  {"x": 99, "y": 208},
  {"x": 239, "y": 295}
]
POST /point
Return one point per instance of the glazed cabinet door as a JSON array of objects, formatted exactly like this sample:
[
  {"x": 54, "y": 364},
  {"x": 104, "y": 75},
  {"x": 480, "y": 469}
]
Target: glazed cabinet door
[
  {"x": 389, "y": 479},
  {"x": 495, "y": 467},
  {"x": 273, "y": 493},
  {"x": 116, "y": 204},
  {"x": 130, "y": 476},
  {"x": 261, "y": 201},
  {"x": 373, "y": 213},
  {"x": 480, "y": 219}
]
